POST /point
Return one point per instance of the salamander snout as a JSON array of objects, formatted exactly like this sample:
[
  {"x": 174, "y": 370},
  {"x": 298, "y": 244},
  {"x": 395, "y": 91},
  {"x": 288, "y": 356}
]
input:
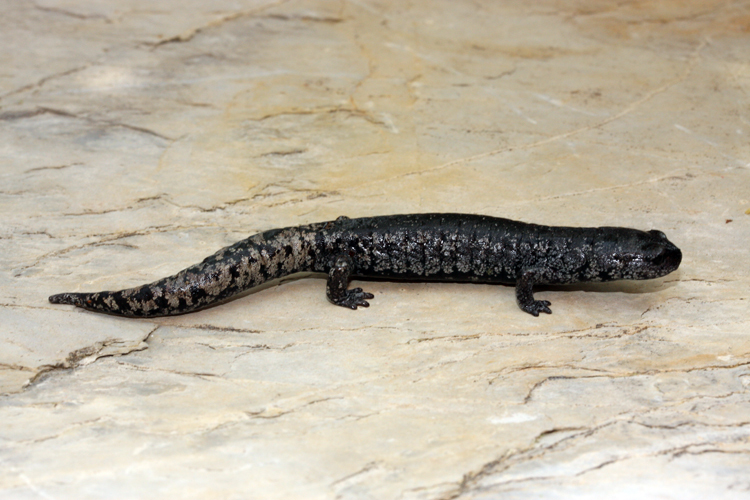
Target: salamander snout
[
  {"x": 659, "y": 255},
  {"x": 637, "y": 255},
  {"x": 669, "y": 258}
]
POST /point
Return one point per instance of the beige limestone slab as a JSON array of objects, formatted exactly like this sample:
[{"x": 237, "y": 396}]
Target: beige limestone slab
[{"x": 137, "y": 138}]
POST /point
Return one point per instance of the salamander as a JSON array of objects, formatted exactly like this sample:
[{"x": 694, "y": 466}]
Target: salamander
[{"x": 434, "y": 247}]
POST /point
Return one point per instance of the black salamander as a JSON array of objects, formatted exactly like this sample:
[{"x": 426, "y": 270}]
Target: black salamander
[{"x": 435, "y": 247}]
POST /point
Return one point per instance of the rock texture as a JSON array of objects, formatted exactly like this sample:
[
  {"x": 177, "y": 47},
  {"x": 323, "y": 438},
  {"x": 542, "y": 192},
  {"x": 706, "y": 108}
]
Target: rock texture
[{"x": 137, "y": 138}]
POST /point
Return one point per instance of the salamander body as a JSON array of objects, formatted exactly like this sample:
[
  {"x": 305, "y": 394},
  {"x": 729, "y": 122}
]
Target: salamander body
[{"x": 434, "y": 247}]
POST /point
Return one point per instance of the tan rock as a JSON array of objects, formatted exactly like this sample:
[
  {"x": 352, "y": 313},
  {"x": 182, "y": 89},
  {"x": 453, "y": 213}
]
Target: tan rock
[{"x": 137, "y": 138}]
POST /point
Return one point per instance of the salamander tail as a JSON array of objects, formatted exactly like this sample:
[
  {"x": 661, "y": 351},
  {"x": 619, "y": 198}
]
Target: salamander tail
[
  {"x": 74, "y": 299},
  {"x": 232, "y": 270},
  {"x": 142, "y": 301}
]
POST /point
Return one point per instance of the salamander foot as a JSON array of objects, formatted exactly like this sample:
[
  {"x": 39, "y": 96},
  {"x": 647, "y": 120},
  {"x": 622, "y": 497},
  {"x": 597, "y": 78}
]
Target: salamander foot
[
  {"x": 537, "y": 306},
  {"x": 354, "y": 298},
  {"x": 338, "y": 280}
]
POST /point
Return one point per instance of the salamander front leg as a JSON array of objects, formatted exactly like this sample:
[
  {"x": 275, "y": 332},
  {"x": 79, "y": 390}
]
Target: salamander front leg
[
  {"x": 338, "y": 281},
  {"x": 525, "y": 293}
]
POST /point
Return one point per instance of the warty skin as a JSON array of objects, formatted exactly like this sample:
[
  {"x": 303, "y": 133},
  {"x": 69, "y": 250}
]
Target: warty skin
[{"x": 423, "y": 247}]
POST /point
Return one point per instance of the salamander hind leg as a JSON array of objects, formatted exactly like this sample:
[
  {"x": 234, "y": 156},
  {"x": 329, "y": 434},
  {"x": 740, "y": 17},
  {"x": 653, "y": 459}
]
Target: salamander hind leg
[
  {"x": 338, "y": 281},
  {"x": 525, "y": 293}
]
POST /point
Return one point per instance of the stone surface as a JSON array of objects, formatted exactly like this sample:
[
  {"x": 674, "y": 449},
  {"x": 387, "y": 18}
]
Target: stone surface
[{"x": 137, "y": 138}]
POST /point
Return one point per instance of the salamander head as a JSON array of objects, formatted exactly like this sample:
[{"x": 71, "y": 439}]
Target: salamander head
[{"x": 630, "y": 254}]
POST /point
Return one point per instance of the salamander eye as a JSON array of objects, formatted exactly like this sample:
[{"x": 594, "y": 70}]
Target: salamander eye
[{"x": 658, "y": 234}]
